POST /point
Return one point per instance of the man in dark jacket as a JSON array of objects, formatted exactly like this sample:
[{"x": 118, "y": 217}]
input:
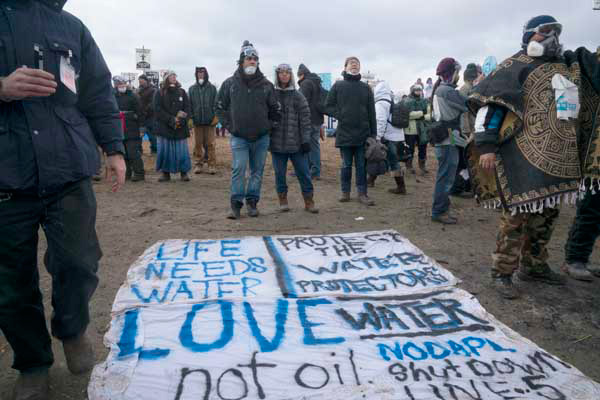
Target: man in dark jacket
[
  {"x": 129, "y": 105},
  {"x": 147, "y": 122},
  {"x": 50, "y": 126},
  {"x": 247, "y": 107},
  {"x": 203, "y": 98},
  {"x": 352, "y": 103},
  {"x": 310, "y": 87}
]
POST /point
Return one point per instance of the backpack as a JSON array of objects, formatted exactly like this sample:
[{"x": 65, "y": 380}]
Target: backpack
[{"x": 400, "y": 114}]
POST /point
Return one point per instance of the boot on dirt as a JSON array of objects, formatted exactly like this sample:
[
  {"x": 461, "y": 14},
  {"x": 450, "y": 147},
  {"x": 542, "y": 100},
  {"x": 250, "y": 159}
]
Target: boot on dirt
[
  {"x": 400, "y": 186},
  {"x": 505, "y": 287},
  {"x": 212, "y": 170},
  {"x": 32, "y": 386},
  {"x": 128, "y": 171},
  {"x": 363, "y": 198},
  {"x": 198, "y": 169},
  {"x": 283, "y": 202},
  {"x": 345, "y": 198},
  {"x": 543, "y": 275},
  {"x": 165, "y": 177},
  {"x": 577, "y": 271},
  {"x": 309, "y": 203},
  {"x": 236, "y": 208},
  {"x": 137, "y": 178},
  {"x": 371, "y": 180},
  {"x": 79, "y": 354},
  {"x": 185, "y": 177},
  {"x": 423, "y": 167},
  {"x": 409, "y": 167},
  {"x": 252, "y": 208},
  {"x": 445, "y": 219},
  {"x": 594, "y": 269}
]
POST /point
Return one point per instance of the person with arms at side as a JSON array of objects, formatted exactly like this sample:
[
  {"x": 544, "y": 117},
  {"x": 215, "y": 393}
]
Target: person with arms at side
[
  {"x": 56, "y": 106},
  {"x": 389, "y": 135},
  {"x": 310, "y": 87},
  {"x": 203, "y": 99},
  {"x": 129, "y": 106},
  {"x": 352, "y": 103},
  {"x": 147, "y": 122},
  {"x": 248, "y": 108},
  {"x": 290, "y": 140},
  {"x": 448, "y": 105},
  {"x": 172, "y": 109},
  {"x": 416, "y": 135}
]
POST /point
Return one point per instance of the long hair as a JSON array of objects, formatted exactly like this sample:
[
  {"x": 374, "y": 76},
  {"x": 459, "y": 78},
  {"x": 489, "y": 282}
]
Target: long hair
[
  {"x": 435, "y": 88},
  {"x": 164, "y": 85}
]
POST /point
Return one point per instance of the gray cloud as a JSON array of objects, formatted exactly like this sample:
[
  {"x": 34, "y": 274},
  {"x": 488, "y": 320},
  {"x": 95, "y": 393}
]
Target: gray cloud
[{"x": 397, "y": 40}]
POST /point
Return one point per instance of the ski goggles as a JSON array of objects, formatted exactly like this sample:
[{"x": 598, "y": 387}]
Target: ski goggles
[
  {"x": 250, "y": 52},
  {"x": 546, "y": 30},
  {"x": 283, "y": 67}
]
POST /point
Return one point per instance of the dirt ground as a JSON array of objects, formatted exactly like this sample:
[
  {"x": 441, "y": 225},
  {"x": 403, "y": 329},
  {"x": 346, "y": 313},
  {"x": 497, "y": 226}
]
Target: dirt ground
[{"x": 563, "y": 320}]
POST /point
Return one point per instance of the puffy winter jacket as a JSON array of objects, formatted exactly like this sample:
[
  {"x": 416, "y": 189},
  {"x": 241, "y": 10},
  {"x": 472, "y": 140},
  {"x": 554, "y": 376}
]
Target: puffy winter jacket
[
  {"x": 310, "y": 87},
  {"x": 248, "y": 107},
  {"x": 130, "y": 106},
  {"x": 352, "y": 103},
  {"x": 295, "y": 126}
]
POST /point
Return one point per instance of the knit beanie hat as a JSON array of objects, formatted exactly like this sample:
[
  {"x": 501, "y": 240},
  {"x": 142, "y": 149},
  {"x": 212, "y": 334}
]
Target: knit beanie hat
[
  {"x": 470, "y": 72},
  {"x": 248, "y": 50},
  {"x": 446, "y": 68},
  {"x": 533, "y": 23}
]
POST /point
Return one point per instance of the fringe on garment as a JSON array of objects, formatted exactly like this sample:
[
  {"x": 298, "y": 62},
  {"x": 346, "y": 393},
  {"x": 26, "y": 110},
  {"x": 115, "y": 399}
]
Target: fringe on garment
[
  {"x": 537, "y": 206},
  {"x": 590, "y": 184}
]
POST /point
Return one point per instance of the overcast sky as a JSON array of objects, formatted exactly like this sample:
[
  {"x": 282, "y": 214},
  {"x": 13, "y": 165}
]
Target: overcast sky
[{"x": 397, "y": 40}]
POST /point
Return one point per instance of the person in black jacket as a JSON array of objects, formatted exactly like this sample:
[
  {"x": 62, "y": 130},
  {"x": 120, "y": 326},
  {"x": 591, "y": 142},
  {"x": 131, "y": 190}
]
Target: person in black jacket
[
  {"x": 290, "y": 140},
  {"x": 352, "y": 103},
  {"x": 310, "y": 87},
  {"x": 248, "y": 108},
  {"x": 147, "y": 122},
  {"x": 50, "y": 127},
  {"x": 129, "y": 105},
  {"x": 172, "y": 109}
]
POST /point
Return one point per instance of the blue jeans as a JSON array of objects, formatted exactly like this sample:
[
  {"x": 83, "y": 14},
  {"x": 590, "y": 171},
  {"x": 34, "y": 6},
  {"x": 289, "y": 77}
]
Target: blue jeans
[
  {"x": 245, "y": 152},
  {"x": 392, "y": 155},
  {"x": 356, "y": 153},
  {"x": 314, "y": 159},
  {"x": 300, "y": 163},
  {"x": 447, "y": 157}
]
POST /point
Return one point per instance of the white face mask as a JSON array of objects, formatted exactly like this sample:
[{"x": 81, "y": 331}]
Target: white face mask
[
  {"x": 250, "y": 70},
  {"x": 550, "y": 47},
  {"x": 122, "y": 89},
  {"x": 201, "y": 81},
  {"x": 535, "y": 49}
]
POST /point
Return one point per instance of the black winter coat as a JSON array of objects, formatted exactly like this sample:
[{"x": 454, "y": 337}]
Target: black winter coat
[
  {"x": 352, "y": 103},
  {"x": 248, "y": 108},
  {"x": 310, "y": 87},
  {"x": 203, "y": 99},
  {"x": 129, "y": 105},
  {"x": 295, "y": 126},
  {"x": 49, "y": 142},
  {"x": 146, "y": 96},
  {"x": 166, "y": 107}
]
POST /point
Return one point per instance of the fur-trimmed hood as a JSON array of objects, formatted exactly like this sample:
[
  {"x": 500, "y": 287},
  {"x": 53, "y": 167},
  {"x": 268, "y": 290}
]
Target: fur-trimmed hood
[{"x": 291, "y": 86}]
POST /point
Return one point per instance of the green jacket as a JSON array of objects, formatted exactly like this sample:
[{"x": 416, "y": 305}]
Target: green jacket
[
  {"x": 418, "y": 115},
  {"x": 203, "y": 99}
]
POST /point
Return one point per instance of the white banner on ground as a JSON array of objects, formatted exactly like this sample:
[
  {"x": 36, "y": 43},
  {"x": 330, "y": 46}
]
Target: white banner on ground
[{"x": 276, "y": 340}]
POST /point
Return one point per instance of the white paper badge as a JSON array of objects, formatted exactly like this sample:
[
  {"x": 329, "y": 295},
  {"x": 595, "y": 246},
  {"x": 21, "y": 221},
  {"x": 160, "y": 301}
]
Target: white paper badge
[
  {"x": 566, "y": 95},
  {"x": 67, "y": 74}
]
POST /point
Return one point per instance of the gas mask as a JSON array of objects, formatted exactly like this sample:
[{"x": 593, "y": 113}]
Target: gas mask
[
  {"x": 122, "y": 89},
  {"x": 549, "y": 47},
  {"x": 250, "y": 70}
]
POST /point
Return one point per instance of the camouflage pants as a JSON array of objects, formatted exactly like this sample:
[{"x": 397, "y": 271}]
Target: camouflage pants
[{"x": 522, "y": 240}]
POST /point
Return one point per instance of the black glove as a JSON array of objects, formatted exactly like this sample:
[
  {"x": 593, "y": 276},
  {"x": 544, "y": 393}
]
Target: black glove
[{"x": 305, "y": 147}]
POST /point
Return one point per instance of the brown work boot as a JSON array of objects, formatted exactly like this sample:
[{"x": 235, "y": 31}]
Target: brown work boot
[
  {"x": 505, "y": 287},
  {"x": 423, "y": 167},
  {"x": 409, "y": 167},
  {"x": 32, "y": 386},
  {"x": 309, "y": 203},
  {"x": 198, "y": 169},
  {"x": 212, "y": 170},
  {"x": 445, "y": 219},
  {"x": 79, "y": 354},
  {"x": 578, "y": 271},
  {"x": 283, "y": 202},
  {"x": 363, "y": 198},
  {"x": 543, "y": 275},
  {"x": 345, "y": 197},
  {"x": 400, "y": 186}
]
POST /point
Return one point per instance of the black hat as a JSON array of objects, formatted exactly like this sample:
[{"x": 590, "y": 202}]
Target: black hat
[
  {"x": 247, "y": 50},
  {"x": 470, "y": 72}
]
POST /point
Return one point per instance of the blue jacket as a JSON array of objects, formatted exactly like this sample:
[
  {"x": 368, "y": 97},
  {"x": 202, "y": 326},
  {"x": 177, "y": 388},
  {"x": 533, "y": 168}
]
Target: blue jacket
[{"x": 47, "y": 143}]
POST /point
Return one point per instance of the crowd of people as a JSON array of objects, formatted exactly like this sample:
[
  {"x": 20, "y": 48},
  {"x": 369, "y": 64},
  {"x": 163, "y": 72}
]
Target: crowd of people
[{"x": 519, "y": 123}]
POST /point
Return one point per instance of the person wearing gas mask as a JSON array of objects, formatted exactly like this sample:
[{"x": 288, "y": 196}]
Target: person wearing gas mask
[
  {"x": 447, "y": 106},
  {"x": 535, "y": 116},
  {"x": 248, "y": 108},
  {"x": 129, "y": 105}
]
